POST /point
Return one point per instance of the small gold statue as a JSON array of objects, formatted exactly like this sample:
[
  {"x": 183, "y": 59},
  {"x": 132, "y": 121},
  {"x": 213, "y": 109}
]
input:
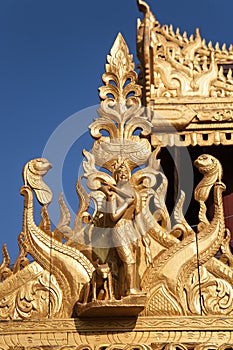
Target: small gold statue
[
  {"x": 100, "y": 286},
  {"x": 122, "y": 202}
]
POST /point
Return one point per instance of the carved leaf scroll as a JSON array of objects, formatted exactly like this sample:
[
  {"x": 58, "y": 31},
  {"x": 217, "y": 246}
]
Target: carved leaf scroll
[{"x": 120, "y": 113}]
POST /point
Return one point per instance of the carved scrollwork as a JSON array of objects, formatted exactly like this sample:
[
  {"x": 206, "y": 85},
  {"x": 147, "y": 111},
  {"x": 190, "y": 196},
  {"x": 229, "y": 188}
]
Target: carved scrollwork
[
  {"x": 225, "y": 115},
  {"x": 209, "y": 295},
  {"x": 225, "y": 252},
  {"x": 120, "y": 113},
  {"x": 95, "y": 178},
  {"x": 181, "y": 66},
  {"x": 39, "y": 296},
  {"x": 119, "y": 346},
  {"x": 186, "y": 346}
]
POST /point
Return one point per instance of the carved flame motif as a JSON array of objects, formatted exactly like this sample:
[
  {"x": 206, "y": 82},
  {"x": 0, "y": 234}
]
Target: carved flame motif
[{"x": 120, "y": 113}]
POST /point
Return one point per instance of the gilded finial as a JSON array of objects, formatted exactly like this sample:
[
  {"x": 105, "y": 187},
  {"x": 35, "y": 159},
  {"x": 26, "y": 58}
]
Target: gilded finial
[{"x": 33, "y": 172}]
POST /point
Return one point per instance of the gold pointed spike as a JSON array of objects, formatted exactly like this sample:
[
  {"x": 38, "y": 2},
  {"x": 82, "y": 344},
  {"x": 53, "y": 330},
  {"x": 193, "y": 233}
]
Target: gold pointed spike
[
  {"x": 224, "y": 47},
  {"x": 210, "y": 45},
  {"x": 171, "y": 31},
  {"x": 191, "y": 37},
  {"x": 217, "y": 48},
  {"x": 138, "y": 23},
  {"x": 178, "y": 35},
  {"x": 229, "y": 77},
  {"x": 119, "y": 61},
  {"x": 166, "y": 29},
  {"x": 221, "y": 75},
  {"x": 197, "y": 33},
  {"x": 185, "y": 35},
  {"x": 204, "y": 44},
  {"x": 149, "y": 18},
  {"x": 229, "y": 74},
  {"x": 5, "y": 270},
  {"x": 120, "y": 78}
]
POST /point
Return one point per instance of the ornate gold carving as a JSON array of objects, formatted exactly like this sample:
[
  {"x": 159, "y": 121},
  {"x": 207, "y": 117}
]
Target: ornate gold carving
[
  {"x": 143, "y": 333},
  {"x": 162, "y": 302},
  {"x": 183, "y": 79},
  {"x": 100, "y": 287},
  {"x": 31, "y": 292},
  {"x": 175, "y": 274},
  {"x": 226, "y": 115},
  {"x": 127, "y": 257},
  {"x": 194, "y": 138},
  {"x": 123, "y": 216},
  {"x": 62, "y": 270},
  {"x": 119, "y": 197},
  {"x": 216, "y": 294},
  {"x": 184, "y": 66},
  {"x": 33, "y": 173},
  {"x": 120, "y": 113},
  {"x": 212, "y": 170},
  {"x": 5, "y": 270}
]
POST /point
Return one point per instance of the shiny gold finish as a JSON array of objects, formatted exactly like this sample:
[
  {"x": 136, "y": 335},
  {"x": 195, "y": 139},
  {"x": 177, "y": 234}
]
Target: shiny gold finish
[
  {"x": 51, "y": 285},
  {"x": 142, "y": 280},
  {"x": 205, "y": 333},
  {"x": 187, "y": 82}
]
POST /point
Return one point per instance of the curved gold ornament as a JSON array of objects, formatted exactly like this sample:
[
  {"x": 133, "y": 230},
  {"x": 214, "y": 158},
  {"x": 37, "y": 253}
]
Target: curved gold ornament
[
  {"x": 33, "y": 173},
  {"x": 125, "y": 256},
  {"x": 120, "y": 113}
]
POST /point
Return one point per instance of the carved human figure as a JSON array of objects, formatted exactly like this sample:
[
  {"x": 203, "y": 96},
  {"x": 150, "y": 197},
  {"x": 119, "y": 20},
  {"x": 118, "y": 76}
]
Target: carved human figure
[{"x": 122, "y": 201}]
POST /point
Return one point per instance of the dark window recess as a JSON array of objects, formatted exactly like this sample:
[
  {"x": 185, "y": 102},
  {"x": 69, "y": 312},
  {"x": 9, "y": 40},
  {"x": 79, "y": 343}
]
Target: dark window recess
[
  {"x": 182, "y": 137},
  {"x": 226, "y": 68}
]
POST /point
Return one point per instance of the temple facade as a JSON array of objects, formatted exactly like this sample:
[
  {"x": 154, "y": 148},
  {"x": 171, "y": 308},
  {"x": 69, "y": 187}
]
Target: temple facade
[{"x": 148, "y": 263}]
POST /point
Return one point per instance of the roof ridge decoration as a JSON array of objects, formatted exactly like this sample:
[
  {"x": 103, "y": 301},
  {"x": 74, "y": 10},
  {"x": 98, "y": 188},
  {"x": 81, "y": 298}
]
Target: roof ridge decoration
[
  {"x": 193, "y": 58},
  {"x": 125, "y": 257},
  {"x": 186, "y": 71}
]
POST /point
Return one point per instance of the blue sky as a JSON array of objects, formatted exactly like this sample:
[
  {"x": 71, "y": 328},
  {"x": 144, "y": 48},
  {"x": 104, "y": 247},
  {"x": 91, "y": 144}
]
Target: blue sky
[{"x": 51, "y": 61}]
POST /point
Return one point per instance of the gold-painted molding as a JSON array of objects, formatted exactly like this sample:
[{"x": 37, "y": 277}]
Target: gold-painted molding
[{"x": 144, "y": 331}]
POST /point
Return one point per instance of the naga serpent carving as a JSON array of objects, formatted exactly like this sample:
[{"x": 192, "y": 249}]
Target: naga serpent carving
[
  {"x": 212, "y": 171},
  {"x": 69, "y": 266},
  {"x": 177, "y": 263}
]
